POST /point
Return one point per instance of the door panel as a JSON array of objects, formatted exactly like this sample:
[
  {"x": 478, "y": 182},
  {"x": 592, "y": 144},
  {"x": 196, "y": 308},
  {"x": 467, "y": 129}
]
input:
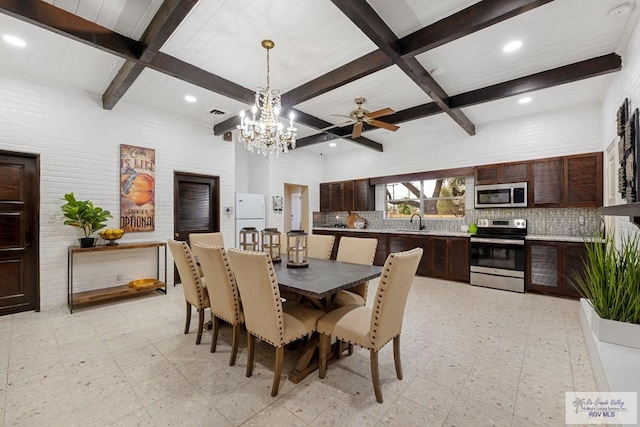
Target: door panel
[
  {"x": 196, "y": 205},
  {"x": 19, "y": 259}
]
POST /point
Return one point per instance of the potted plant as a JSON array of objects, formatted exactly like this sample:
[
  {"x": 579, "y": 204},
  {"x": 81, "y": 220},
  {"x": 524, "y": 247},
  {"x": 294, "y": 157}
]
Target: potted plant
[
  {"x": 85, "y": 215},
  {"x": 611, "y": 288}
]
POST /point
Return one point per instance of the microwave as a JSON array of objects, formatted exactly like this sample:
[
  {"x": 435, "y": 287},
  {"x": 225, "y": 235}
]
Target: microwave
[{"x": 512, "y": 195}]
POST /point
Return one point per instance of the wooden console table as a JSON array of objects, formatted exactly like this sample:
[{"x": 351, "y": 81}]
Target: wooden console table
[{"x": 103, "y": 294}]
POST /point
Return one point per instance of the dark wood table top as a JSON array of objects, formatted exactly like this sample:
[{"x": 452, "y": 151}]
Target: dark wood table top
[{"x": 323, "y": 278}]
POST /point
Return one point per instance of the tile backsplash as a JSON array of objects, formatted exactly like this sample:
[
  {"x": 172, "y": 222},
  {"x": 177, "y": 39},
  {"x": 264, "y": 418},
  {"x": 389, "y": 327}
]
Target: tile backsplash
[{"x": 540, "y": 221}]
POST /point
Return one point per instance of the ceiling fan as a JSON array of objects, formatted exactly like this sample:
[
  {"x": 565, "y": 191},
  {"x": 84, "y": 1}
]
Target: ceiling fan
[{"x": 359, "y": 116}]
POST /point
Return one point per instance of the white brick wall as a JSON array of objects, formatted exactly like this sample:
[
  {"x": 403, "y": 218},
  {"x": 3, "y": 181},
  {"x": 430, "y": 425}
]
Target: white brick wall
[
  {"x": 624, "y": 84},
  {"x": 79, "y": 144},
  {"x": 555, "y": 133}
]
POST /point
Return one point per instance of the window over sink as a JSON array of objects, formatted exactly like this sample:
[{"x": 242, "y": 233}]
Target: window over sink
[{"x": 433, "y": 198}]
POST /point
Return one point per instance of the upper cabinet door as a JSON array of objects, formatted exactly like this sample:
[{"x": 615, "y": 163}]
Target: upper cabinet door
[
  {"x": 487, "y": 174},
  {"x": 325, "y": 197},
  {"x": 583, "y": 180},
  {"x": 515, "y": 172},
  {"x": 365, "y": 195},
  {"x": 547, "y": 188}
]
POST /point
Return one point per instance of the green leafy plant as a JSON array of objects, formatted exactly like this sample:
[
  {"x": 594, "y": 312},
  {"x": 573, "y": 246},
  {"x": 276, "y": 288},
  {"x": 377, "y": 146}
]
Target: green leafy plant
[
  {"x": 83, "y": 214},
  {"x": 611, "y": 281}
]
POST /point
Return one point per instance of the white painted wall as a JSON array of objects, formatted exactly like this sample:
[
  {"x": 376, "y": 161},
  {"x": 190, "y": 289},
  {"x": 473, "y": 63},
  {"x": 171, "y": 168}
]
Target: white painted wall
[
  {"x": 554, "y": 133},
  {"x": 624, "y": 84},
  {"x": 79, "y": 144}
]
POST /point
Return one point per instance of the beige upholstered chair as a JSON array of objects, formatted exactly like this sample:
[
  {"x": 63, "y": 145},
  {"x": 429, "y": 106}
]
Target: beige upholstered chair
[
  {"x": 193, "y": 286},
  {"x": 266, "y": 316},
  {"x": 320, "y": 246},
  {"x": 225, "y": 299},
  {"x": 215, "y": 239},
  {"x": 373, "y": 327},
  {"x": 357, "y": 250}
]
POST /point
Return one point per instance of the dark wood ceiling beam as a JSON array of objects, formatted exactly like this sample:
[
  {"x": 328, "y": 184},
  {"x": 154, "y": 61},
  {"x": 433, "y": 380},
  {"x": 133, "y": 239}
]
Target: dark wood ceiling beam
[
  {"x": 354, "y": 70},
  {"x": 363, "y": 15},
  {"x": 474, "y": 18},
  {"x": 44, "y": 15},
  {"x": 168, "y": 17},
  {"x": 593, "y": 67}
]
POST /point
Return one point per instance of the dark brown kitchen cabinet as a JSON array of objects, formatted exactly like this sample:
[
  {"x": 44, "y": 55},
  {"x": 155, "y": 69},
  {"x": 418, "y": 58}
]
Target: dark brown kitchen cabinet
[
  {"x": 502, "y": 173},
  {"x": 365, "y": 195},
  {"x": 583, "y": 180},
  {"x": 568, "y": 182},
  {"x": 347, "y": 196},
  {"x": 450, "y": 258},
  {"x": 551, "y": 266},
  {"x": 325, "y": 197},
  {"x": 546, "y": 189},
  {"x": 424, "y": 242}
]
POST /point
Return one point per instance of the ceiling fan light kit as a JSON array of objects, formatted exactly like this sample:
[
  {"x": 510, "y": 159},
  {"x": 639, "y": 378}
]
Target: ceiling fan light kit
[{"x": 267, "y": 134}]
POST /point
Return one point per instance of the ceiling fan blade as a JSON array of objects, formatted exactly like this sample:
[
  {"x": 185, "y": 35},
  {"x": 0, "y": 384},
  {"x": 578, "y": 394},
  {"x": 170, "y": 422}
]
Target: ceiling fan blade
[
  {"x": 357, "y": 130},
  {"x": 338, "y": 125},
  {"x": 340, "y": 115},
  {"x": 384, "y": 125},
  {"x": 380, "y": 113}
]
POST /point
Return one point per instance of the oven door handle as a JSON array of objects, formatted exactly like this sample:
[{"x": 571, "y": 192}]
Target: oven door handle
[{"x": 497, "y": 241}]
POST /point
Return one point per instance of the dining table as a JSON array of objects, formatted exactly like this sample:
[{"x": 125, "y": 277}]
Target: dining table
[{"x": 319, "y": 283}]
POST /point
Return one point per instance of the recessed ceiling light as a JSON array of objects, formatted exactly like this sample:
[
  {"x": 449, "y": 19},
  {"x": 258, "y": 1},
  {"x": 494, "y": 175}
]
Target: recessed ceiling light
[
  {"x": 621, "y": 9},
  {"x": 14, "y": 41},
  {"x": 525, "y": 100},
  {"x": 332, "y": 144},
  {"x": 512, "y": 46},
  {"x": 190, "y": 98}
]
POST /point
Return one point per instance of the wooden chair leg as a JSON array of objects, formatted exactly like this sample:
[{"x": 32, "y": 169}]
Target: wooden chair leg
[
  {"x": 200, "y": 325},
  {"x": 350, "y": 349},
  {"x": 277, "y": 371},
  {"x": 188, "y": 321},
  {"x": 375, "y": 376},
  {"x": 214, "y": 335},
  {"x": 251, "y": 343},
  {"x": 325, "y": 343},
  {"x": 234, "y": 344},
  {"x": 396, "y": 356}
]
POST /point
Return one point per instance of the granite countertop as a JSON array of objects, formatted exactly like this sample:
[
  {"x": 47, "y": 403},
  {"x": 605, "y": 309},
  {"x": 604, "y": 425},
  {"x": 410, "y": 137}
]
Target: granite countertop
[{"x": 545, "y": 237}]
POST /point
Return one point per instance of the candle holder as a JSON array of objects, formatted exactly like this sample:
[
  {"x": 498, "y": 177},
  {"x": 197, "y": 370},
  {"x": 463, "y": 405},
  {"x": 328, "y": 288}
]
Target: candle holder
[
  {"x": 249, "y": 239},
  {"x": 297, "y": 256},
  {"x": 271, "y": 243}
]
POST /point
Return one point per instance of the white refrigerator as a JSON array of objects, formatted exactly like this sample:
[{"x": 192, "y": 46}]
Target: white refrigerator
[{"x": 250, "y": 212}]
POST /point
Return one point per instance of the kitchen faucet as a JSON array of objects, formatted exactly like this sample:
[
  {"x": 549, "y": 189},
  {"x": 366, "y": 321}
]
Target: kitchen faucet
[{"x": 420, "y": 226}]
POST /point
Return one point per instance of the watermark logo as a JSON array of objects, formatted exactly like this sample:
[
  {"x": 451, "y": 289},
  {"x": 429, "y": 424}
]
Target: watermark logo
[{"x": 601, "y": 408}]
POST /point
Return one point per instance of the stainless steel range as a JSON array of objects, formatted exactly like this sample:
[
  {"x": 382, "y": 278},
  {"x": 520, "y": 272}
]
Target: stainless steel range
[{"x": 498, "y": 254}]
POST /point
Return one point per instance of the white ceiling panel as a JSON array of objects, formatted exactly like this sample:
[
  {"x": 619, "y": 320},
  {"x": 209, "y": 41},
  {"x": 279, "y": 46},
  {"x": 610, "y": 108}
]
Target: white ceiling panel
[
  {"x": 406, "y": 16},
  {"x": 311, "y": 38},
  {"x": 559, "y": 33}
]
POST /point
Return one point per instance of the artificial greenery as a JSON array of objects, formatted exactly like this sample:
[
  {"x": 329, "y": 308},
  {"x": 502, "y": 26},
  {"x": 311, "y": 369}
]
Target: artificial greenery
[
  {"x": 83, "y": 214},
  {"x": 611, "y": 281}
]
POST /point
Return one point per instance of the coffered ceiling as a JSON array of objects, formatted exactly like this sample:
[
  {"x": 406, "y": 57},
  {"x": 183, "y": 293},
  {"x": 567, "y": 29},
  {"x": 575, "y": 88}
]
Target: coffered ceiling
[{"x": 422, "y": 58}]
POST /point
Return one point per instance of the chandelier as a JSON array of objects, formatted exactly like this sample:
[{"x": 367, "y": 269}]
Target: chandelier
[{"x": 264, "y": 132}]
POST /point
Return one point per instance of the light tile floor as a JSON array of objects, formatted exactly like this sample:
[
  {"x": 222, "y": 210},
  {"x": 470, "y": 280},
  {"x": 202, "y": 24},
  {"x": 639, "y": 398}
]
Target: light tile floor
[{"x": 471, "y": 357}]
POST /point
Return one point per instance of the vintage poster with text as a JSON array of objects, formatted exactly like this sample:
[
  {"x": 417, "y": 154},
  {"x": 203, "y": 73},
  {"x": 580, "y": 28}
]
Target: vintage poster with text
[{"x": 137, "y": 188}]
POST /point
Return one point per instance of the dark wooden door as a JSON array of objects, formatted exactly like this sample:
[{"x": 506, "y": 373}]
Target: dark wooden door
[
  {"x": 196, "y": 205},
  {"x": 583, "y": 180},
  {"x": 573, "y": 256},
  {"x": 543, "y": 266},
  {"x": 325, "y": 197},
  {"x": 459, "y": 259},
  {"x": 364, "y": 199},
  {"x": 19, "y": 260},
  {"x": 440, "y": 257},
  {"x": 547, "y": 180}
]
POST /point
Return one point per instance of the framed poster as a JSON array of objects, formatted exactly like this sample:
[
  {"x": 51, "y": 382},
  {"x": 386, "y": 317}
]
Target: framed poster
[{"x": 137, "y": 188}]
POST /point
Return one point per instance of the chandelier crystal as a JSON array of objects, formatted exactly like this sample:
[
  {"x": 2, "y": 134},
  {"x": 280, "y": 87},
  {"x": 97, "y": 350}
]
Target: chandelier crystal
[{"x": 266, "y": 134}]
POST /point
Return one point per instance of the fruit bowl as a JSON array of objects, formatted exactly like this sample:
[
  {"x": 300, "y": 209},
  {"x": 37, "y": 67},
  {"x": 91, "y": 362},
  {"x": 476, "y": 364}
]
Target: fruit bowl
[{"x": 111, "y": 235}]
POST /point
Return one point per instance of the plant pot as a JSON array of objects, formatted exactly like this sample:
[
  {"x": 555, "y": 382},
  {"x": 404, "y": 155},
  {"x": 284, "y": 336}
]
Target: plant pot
[
  {"x": 612, "y": 331},
  {"x": 87, "y": 242}
]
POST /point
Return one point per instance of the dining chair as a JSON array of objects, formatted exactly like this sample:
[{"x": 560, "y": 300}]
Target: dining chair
[
  {"x": 225, "y": 299},
  {"x": 266, "y": 316},
  {"x": 320, "y": 246},
  {"x": 193, "y": 285},
  {"x": 215, "y": 239},
  {"x": 372, "y": 327},
  {"x": 356, "y": 250}
]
